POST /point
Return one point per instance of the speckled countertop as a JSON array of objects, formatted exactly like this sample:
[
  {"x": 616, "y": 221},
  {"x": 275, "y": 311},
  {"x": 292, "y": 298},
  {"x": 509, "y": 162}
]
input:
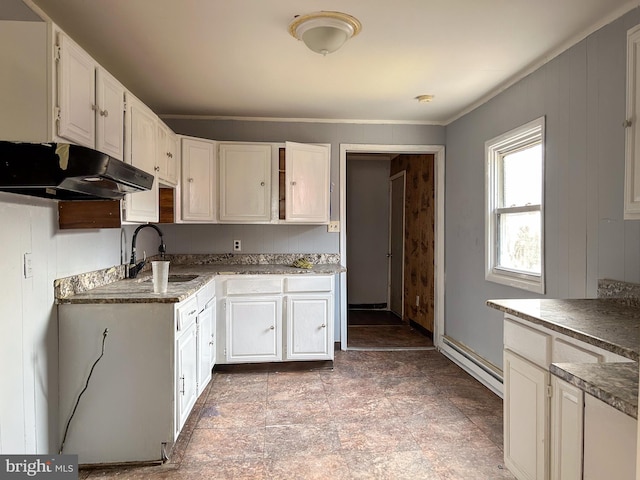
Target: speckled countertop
[
  {"x": 614, "y": 383},
  {"x": 609, "y": 323},
  {"x": 603, "y": 322},
  {"x": 111, "y": 286}
]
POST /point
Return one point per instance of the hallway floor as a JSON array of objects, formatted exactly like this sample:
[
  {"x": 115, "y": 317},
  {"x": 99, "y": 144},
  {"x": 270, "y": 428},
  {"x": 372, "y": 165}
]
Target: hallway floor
[
  {"x": 376, "y": 415},
  {"x": 381, "y": 329}
]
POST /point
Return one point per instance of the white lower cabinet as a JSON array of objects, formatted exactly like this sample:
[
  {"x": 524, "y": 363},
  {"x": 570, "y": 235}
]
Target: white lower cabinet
[
  {"x": 609, "y": 442},
  {"x": 254, "y": 329},
  {"x": 543, "y": 414},
  {"x": 186, "y": 372},
  {"x": 143, "y": 388},
  {"x": 308, "y": 327},
  {"x": 206, "y": 344},
  {"x": 567, "y": 407},
  {"x": 526, "y": 409},
  {"x": 274, "y": 318}
]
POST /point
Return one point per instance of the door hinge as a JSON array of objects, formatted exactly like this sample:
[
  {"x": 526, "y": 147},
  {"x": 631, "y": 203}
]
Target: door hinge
[
  {"x": 56, "y": 53},
  {"x": 549, "y": 391},
  {"x": 57, "y": 114}
]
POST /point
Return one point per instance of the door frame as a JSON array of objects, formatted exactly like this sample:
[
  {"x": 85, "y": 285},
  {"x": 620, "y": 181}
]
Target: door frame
[
  {"x": 439, "y": 166},
  {"x": 403, "y": 175}
]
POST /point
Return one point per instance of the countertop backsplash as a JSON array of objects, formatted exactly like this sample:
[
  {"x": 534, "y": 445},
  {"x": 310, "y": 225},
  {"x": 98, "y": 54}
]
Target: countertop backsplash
[
  {"x": 75, "y": 284},
  {"x": 627, "y": 292}
]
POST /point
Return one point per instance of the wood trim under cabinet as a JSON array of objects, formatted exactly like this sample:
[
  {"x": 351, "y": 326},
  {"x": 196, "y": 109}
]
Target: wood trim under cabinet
[
  {"x": 89, "y": 214},
  {"x": 166, "y": 199}
]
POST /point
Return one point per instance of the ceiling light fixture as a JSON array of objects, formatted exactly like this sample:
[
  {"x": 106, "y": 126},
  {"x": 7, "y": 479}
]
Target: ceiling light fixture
[
  {"x": 424, "y": 98},
  {"x": 324, "y": 32}
]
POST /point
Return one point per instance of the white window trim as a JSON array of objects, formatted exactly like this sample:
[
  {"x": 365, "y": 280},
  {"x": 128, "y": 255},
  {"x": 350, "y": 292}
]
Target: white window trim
[{"x": 495, "y": 148}]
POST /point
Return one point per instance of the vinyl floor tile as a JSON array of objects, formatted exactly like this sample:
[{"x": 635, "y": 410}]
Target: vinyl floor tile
[{"x": 384, "y": 415}]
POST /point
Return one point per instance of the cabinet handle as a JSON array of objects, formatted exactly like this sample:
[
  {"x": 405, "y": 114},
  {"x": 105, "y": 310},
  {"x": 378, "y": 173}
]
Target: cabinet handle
[
  {"x": 94, "y": 107},
  {"x": 262, "y": 184},
  {"x": 627, "y": 123},
  {"x": 211, "y": 343},
  {"x": 272, "y": 327},
  {"x": 191, "y": 180},
  {"x": 182, "y": 391},
  {"x": 169, "y": 154},
  {"x": 323, "y": 326},
  {"x": 157, "y": 169},
  {"x": 293, "y": 183},
  {"x": 104, "y": 113}
]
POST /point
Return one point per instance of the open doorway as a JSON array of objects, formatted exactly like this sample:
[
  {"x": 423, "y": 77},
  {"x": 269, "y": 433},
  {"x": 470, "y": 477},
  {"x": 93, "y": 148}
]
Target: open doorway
[{"x": 390, "y": 201}]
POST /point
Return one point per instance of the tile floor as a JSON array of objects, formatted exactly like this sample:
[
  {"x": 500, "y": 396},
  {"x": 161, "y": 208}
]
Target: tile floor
[
  {"x": 376, "y": 415},
  {"x": 381, "y": 329}
]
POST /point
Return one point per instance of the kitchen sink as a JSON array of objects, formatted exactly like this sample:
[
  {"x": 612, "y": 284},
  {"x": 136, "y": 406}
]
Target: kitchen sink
[
  {"x": 176, "y": 278},
  {"x": 181, "y": 278}
]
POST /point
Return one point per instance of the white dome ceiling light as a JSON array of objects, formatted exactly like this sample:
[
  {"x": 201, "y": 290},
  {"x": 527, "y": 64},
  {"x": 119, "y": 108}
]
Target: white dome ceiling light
[{"x": 324, "y": 32}]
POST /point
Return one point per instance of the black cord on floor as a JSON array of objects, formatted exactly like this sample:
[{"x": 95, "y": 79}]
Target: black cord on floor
[{"x": 86, "y": 385}]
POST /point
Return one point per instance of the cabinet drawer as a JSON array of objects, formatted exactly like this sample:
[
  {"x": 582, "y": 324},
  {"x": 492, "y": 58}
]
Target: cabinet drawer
[
  {"x": 308, "y": 284},
  {"x": 565, "y": 352},
  {"x": 253, "y": 285},
  {"x": 529, "y": 343},
  {"x": 187, "y": 313}
]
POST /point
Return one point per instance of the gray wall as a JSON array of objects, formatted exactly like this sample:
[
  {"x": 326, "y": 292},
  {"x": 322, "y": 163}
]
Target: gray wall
[
  {"x": 368, "y": 232},
  {"x": 582, "y": 95},
  {"x": 280, "y": 238}
]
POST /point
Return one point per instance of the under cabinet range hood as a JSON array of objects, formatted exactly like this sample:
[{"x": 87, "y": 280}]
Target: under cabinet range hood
[{"x": 67, "y": 172}]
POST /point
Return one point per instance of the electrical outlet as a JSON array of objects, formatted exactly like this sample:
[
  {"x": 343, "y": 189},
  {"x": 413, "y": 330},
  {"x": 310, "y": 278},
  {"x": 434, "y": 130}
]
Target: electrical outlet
[
  {"x": 237, "y": 245},
  {"x": 28, "y": 266},
  {"x": 333, "y": 226}
]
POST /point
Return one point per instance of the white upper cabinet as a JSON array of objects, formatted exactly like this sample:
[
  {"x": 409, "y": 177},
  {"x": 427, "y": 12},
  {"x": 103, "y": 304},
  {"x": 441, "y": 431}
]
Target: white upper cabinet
[
  {"x": 90, "y": 106},
  {"x": 307, "y": 183},
  {"x": 198, "y": 180},
  {"x": 632, "y": 132},
  {"x": 140, "y": 151},
  {"x": 167, "y": 155},
  {"x": 109, "y": 114},
  {"x": 245, "y": 182},
  {"x": 61, "y": 94}
]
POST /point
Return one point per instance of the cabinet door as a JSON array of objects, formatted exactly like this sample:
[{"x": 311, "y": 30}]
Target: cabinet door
[
  {"x": 167, "y": 155},
  {"x": 186, "y": 384},
  {"x": 567, "y": 408},
  {"x": 307, "y": 183},
  {"x": 198, "y": 180},
  {"x": 632, "y": 132},
  {"x": 110, "y": 115},
  {"x": 309, "y": 327},
  {"x": 526, "y": 413},
  {"x": 609, "y": 442},
  {"x": 205, "y": 344},
  {"x": 141, "y": 152},
  {"x": 245, "y": 182},
  {"x": 254, "y": 331},
  {"x": 76, "y": 93}
]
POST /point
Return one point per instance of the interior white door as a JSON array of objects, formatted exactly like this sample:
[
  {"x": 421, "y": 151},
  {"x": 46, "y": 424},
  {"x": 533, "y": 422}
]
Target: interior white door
[{"x": 396, "y": 242}]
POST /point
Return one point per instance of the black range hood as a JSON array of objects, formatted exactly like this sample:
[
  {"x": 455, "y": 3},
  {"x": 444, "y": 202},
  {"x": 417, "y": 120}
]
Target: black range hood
[{"x": 67, "y": 172}]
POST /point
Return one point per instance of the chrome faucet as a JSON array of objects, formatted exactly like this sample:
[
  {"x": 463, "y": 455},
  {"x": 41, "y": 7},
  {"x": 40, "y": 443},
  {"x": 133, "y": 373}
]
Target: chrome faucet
[{"x": 134, "y": 268}]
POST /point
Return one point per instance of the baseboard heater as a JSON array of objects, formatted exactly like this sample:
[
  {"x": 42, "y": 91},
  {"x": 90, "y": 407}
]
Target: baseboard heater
[{"x": 472, "y": 356}]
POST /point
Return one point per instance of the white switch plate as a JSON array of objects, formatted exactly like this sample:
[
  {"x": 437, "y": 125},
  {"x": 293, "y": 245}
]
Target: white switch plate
[
  {"x": 333, "y": 226},
  {"x": 28, "y": 266},
  {"x": 237, "y": 245}
]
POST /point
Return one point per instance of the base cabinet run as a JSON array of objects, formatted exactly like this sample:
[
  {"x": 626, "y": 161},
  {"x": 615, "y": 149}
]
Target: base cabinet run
[
  {"x": 143, "y": 388},
  {"x": 542, "y": 414},
  {"x": 272, "y": 318}
]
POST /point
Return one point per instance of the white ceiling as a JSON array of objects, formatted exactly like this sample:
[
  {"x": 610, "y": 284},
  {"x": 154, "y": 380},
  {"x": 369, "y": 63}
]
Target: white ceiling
[{"x": 235, "y": 58}]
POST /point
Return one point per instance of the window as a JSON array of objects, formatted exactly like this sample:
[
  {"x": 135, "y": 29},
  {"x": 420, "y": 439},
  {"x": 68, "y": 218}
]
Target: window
[{"x": 514, "y": 212}]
